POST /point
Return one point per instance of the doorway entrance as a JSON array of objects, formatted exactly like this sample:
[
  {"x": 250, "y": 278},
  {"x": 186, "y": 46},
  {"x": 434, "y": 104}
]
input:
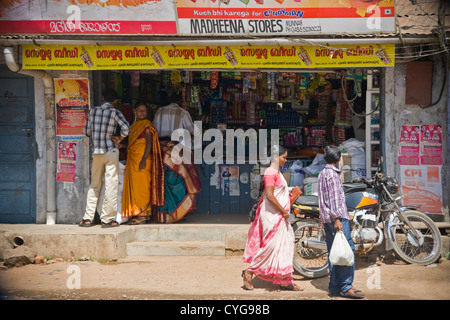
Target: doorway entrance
[{"x": 17, "y": 148}]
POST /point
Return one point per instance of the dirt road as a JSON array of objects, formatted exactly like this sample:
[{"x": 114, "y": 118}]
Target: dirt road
[{"x": 204, "y": 278}]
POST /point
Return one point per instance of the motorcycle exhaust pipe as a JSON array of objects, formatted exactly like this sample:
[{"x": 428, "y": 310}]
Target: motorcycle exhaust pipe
[
  {"x": 312, "y": 244},
  {"x": 320, "y": 245},
  {"x": 366, "y": 246}
]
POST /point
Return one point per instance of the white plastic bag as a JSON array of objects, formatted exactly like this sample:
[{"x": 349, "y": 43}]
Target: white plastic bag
[{"x": 341, "y": 253}]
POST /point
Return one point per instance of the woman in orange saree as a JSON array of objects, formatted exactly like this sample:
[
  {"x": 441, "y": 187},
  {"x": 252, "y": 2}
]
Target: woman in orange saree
[{"x": 144, "y": 172}]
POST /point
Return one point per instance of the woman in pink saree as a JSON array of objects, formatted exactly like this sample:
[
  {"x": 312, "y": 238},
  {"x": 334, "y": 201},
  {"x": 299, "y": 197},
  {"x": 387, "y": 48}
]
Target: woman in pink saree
[{"x": 270, "y": 243}]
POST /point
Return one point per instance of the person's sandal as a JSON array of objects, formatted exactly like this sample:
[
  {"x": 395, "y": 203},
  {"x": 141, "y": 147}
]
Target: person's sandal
[
  {"x": 291, "y": 287},
  {"x": 247, "y": 280},
  {"x": 110, "y": 224},
  {"x": 85, "y": 223},
  {"x": 357, "y": 294},
  {"x": 137, "y": 221}
]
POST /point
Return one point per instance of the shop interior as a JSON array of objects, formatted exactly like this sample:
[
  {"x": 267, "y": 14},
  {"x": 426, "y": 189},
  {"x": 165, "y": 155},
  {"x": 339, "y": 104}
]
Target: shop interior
[{"x": 310, "y": 108}]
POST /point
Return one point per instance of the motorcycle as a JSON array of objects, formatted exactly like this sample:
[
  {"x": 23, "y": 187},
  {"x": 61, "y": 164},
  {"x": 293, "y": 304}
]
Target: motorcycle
[{"x": 371, "y": 203}]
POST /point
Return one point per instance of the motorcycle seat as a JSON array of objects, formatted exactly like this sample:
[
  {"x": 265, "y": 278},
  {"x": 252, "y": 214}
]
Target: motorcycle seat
[
  {"x": 356, "y": 186},
  {"x": 311, "y": 201}
]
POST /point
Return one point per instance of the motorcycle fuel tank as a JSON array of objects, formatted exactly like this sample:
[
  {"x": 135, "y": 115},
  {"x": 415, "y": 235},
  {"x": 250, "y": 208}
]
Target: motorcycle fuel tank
[{"x": 361, "y": 200}]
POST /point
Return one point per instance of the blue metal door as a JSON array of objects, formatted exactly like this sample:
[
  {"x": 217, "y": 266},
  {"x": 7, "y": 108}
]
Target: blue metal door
[
  {"x": 17, "y": 148},
  {"x": 215, "y": 198}
]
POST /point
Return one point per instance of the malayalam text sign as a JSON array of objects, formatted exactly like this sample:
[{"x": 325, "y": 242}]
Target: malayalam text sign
[{"x": 67, "y": 57}]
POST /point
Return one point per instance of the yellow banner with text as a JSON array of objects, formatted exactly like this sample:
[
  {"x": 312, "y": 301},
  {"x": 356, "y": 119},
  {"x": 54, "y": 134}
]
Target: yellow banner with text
[{"x": 72, "y": 57}]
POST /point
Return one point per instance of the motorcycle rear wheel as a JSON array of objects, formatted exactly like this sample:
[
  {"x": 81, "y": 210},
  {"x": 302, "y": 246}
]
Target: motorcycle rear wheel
[
  {"x": 310, "y": 263},
  {"x": 422, "y": 251}
]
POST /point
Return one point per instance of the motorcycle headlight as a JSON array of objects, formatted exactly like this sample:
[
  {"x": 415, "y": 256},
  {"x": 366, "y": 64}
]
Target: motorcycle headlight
[{"x": 392, "y": 185}]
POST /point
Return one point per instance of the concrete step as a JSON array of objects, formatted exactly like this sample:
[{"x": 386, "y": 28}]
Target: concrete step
[
  {"x": 174, "y": 232},
  {"x": 180, "y": 248},
  {"x": 215, "y": 240}
]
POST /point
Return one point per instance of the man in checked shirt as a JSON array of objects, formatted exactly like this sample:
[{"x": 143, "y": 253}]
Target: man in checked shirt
[
  {"x": 335, "y": 217},
  {"x": 100, "y": 125}
]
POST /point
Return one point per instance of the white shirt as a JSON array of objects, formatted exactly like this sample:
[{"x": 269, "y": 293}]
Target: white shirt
[{"x": 172, "y": 117}]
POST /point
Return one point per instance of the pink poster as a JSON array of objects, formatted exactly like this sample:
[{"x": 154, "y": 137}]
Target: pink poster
[
  {"x": 408, "y": 146},
  {"x": 66, "y": 162},
  {"x": 431, "y": 144}
]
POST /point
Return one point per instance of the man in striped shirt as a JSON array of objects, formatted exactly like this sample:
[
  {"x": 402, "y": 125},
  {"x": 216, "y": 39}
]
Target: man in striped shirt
[
  {"x": 100, "y": 125},
  {"x": 335, "y": 217}
]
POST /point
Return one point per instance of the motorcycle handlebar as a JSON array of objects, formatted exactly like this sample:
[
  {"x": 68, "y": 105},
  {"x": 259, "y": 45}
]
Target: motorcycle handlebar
[{"x": 368, "y": 182}]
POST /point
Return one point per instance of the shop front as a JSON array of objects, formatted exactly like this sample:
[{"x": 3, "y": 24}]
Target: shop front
[{"x": 301, "y": 97}]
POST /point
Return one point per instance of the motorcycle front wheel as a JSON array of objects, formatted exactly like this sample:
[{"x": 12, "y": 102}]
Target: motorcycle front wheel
[
  {"x": 310, "y": 262},
  {"x": 423, "y": 250}
]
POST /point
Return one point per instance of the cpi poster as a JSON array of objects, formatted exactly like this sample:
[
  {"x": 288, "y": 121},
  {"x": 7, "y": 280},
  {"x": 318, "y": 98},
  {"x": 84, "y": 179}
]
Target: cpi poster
[
  {"x": 72, "y": 106},
  {"x": 422, "y": 187}
]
